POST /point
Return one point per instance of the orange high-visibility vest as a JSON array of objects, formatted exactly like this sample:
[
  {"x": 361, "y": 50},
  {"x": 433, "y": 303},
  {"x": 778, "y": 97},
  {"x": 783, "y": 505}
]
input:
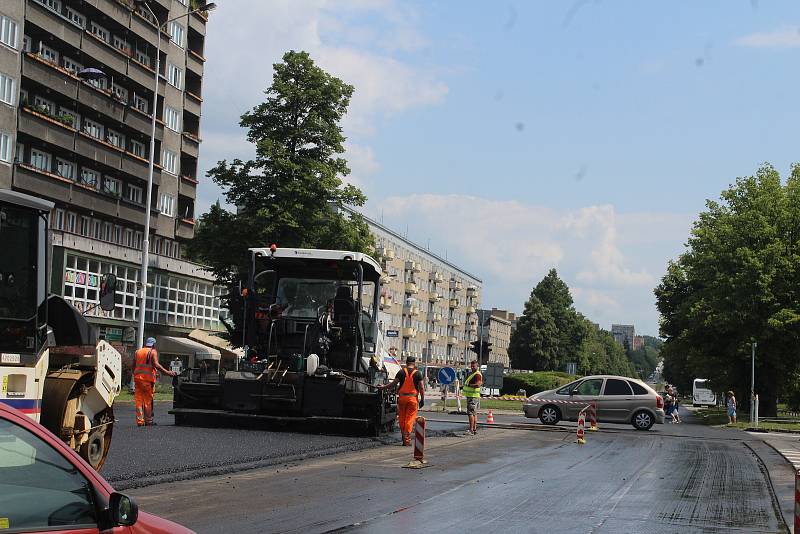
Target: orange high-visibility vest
[
  {"x": 408, "y": 387},
  {"x": 144, "y": 367}
]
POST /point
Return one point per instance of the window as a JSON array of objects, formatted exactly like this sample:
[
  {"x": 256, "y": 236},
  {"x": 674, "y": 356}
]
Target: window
[
  {"x": 95, "y": 129},
  {"x": 40, "y": 160},
  {"x": 100, "y": 83},
  {"x": 117, "y": 234},
  {"x": 140, "y": 103},
  {"x": 108, "y": 230},
  {"x": 615, "y": 386},
  {"x": 26, "y": 44},
  {"x": 137, "y": 148},
  {"x": 100, "y": 32},
  {"x": 48, "y": 106},
  {"x": 62, "y": 495},
  {"x": 90, "y": 178},
  {"x": 167, "y": 205},
  {"x": 71, "y": 222},
  {"x": 176, "y": 30},
  {"x": 175, "y": 76},
  {"x": 120, "y": 92},
  {"x": 590, "y": 387},
  {"x": 128, "y": 237},
  {"x": 167, "y": 247},
  {"x": 137, "y": 239},
  {"x": 65, "y": 169},
  {"x": 55, "y": 5},
  {"x": 8, "y": 31},
  {"x": 75, "y": 17},
  {"x": 170, "y": 162},
  {"x": 638, "y": 389},
  {"x": 115, "y": 138},
  {"x": 5, "y": 147},
  {"x": 142, "y": 57},
  {"x": 48, "y": 54},
  {"x": 71, "y": 65},
  {"x": 85, "y": 226},
  {"x": 58, "y": 222},
  {"x": 96, "y": 229},
  {"x": 134, "y": 194},
  {"x": 76, "y": 119},
  {"x": 7, "y": 89},
  {"x": 172, "y": 119},
  {"x": 19, "y": 156},
  {"x": 121, "y": 44},
  {"x": 112, "y": 186}
]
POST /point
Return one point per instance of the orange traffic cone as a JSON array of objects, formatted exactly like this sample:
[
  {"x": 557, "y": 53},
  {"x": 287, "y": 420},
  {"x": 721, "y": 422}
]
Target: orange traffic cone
[{"x": 489, "y": 417}]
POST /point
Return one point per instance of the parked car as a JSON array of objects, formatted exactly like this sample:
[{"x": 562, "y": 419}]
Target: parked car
[
  {"x": 619, "y": 400},
  {"x": 46, "y": 487}
]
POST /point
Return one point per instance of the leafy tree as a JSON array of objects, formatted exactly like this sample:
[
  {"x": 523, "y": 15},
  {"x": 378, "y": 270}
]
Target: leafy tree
[
  {"x": 288, "y": 193},
  {"x": 554, "y": 294},
  {"x": 736, "y": 283},
  {"x": 534, "y": 343}
]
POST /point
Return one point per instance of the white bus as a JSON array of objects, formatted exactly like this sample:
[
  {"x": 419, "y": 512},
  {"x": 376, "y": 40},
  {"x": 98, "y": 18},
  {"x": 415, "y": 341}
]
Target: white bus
[{"x": 701, "y": 395}]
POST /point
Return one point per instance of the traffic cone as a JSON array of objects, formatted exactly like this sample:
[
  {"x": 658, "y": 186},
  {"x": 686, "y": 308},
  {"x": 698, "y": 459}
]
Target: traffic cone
[
  {"x": 489, "y": 417},
  {"x": 581, "y": 439}
]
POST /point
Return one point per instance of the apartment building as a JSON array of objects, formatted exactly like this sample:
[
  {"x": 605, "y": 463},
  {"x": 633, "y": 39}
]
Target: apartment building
[
  {"x": 428, "y": 305},
  {"x": 495, "y": 327},
  {"x": 624, "y": 334},
  {"x": 76, "y": 102}
]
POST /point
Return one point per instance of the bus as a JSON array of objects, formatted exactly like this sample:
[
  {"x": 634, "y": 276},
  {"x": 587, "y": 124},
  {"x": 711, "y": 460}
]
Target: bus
[{"x": 701, "y": 394}]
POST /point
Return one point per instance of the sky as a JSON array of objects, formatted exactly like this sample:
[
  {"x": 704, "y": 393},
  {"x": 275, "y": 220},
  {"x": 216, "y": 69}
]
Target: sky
[{"x": 516, "y": 137}]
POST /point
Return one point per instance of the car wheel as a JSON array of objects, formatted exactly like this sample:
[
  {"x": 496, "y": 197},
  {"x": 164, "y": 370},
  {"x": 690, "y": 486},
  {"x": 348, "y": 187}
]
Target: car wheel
[
  {"x": 642, "y": 420},
  {"x": 549, "y": 415}
]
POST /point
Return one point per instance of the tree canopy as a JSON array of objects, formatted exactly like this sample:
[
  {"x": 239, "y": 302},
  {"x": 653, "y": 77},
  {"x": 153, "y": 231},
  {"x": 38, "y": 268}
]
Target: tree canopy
[
  {"x": 737, "y": 283},
  {"x": 289, "y": 192}
]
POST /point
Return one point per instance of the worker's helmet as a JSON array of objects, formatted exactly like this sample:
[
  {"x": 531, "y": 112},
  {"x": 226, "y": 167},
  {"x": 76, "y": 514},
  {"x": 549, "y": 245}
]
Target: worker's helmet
[{"x": 151, "y": 342}]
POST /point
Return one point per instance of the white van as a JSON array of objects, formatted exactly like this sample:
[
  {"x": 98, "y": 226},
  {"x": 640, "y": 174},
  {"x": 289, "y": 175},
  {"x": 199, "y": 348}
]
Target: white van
[{"x": 701, "y": 395}]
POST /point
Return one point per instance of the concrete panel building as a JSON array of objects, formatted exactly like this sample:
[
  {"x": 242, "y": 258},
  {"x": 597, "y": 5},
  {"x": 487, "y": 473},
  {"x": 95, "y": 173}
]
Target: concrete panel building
[
  {"x": 495, "y": 327},
  {"x": 624, "y": 334},
  {"x": 83, "y": 143}
]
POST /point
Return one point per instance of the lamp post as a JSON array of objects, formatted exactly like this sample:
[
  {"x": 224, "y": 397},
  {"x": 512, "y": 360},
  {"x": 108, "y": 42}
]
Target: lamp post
[{"x": 146, "y": 242}]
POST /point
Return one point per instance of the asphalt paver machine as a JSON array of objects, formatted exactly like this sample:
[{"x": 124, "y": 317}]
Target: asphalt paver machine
[
  {"x": 307, "y": 321},
  {"x": 52, "y": 366}
]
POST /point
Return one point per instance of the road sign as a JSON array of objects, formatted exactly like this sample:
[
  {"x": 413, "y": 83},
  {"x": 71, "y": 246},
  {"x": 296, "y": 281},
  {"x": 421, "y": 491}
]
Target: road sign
[
  {"x": 447, "y": 375},
  {"x": 392, "y": 333}
]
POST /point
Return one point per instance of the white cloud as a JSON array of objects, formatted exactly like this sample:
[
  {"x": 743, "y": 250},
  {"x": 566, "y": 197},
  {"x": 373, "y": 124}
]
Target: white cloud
[
  {"x": 607, "y": 259},
  {"x": 784, "y": 37}
]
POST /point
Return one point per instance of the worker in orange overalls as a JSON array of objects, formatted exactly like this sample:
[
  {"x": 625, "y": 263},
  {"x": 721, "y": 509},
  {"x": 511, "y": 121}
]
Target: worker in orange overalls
[
  {"x": 145, "y": 364},
  {"x": 410, "y": 398}
]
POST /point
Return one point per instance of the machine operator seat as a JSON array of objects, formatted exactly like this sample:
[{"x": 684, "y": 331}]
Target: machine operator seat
[{"x": 344, "y": 307}]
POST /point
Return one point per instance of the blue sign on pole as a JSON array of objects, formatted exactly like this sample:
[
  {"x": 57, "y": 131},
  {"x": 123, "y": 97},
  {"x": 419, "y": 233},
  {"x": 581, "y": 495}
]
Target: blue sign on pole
[{"x": 447, "y": 375}]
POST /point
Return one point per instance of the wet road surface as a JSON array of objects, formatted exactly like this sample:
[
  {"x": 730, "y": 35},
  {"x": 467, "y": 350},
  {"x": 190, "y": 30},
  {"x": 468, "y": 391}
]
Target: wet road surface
[{"x": 676, "y": 478}]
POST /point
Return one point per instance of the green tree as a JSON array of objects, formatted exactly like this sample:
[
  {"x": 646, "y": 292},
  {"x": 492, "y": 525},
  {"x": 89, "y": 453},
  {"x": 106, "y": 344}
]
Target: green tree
[
  {"x": 289, "y": 192},
  {"x": 534, "y": 343},
  {"x": 553, "y": 292},
  {"x": 736, "y": 283}
]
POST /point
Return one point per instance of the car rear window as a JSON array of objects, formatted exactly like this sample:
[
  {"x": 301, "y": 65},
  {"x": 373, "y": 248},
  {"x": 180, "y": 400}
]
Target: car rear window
[
  {"x": 615, "y": 386},
  {"x": 638, "y": 389}
]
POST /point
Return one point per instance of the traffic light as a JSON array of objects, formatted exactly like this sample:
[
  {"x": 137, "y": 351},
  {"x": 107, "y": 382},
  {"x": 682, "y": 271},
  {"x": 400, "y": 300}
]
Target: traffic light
[{"x": 475, "y": 346}]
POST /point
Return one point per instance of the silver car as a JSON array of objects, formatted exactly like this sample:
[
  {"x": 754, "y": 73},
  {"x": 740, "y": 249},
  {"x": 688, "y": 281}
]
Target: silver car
[{"x": 619, "y": 400}]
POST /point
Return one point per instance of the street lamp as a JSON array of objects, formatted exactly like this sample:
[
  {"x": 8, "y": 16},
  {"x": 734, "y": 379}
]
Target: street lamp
[{"x": 146, "y": 243}]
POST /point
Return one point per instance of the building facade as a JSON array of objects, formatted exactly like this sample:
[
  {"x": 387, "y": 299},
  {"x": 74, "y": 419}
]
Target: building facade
[
  {"x": 495, "y": 327},
  {"x": 76, "y": 103},
  {"x": 624, "y": 334},
  {"x": 428, "y": 305}
]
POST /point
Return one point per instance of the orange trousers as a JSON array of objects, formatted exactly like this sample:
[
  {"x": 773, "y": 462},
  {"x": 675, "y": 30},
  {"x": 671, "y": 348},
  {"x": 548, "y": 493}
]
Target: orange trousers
[
  {"x": 143, "y": 394},
  {"x": 407, "y": 411}
]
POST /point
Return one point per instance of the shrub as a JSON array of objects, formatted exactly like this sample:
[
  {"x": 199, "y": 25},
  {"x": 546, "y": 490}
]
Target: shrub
[{"x": 534, "y": 382}]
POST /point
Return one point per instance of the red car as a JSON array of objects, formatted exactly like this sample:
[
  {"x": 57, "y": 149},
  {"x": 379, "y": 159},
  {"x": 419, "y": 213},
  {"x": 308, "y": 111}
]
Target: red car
[{"x": 46, "y": 487}]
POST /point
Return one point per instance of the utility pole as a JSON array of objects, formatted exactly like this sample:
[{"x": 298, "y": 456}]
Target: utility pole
[{"x": 753, "y": 383}]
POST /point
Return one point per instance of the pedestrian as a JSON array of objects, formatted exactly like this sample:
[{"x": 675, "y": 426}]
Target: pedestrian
[
  {"x": 145, "y": 366},
  {"x": 730, "y": 403},
  {"x": 676, "y": 418},
  {"x": 410, "y": 397},
  {"x": 472, "y": 392}
]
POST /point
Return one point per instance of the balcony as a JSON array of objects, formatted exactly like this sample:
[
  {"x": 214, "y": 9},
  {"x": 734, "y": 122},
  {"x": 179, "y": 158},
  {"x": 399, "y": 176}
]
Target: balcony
[
  {"x": 452, "y": 340},
  {"x": 412, "y": 266},
  {"x": 434, "y": 297},
  {"x": 198, "y": 24},
  {"x": 454, "y": 321},
  {"x": 47, "y": 129},
  {"x": 433, "y": 336},
  {"x": 98, "y": 150},
  {"x": 188, "y": 187},
  {"x": 53, "y": 23},
  {"x": 140, "y": 167},
  {"x": 411, "y": 310},
  {"x": 409, "y": 332},
  {"x": 131, "y": 211},
  {"x": 453, "y": 303},
  {"x": 148, "y": 32},
  {"x": 103, "y": 52},
  {"x": 192, "y": 103},
  {"x": 456, "y": 285},
  {"x": 49, "y": 75},
  {"x": 184, "y": 229},
  {"x": 114, "y": 10},
  {"x": 40, "y": 183},
  {"x": 472, "y": 291},
  {"x": 386, "y": 253},
  {"x": 145, "y": 76},
  {"x": 411, "y": 288},
  {"x": 102, "y": 102},
  {"x": 143, "y": 123},
  {"x": 90, "y": 199},
  {"x": 190, "y": 145},
  {"x": 434, "y": 317},
  {"x": 435, "y": 276},
  {"x": 470, "y": 310},
  {"x": 386, "y": 302},
  {"x": 194, "y": 62}
]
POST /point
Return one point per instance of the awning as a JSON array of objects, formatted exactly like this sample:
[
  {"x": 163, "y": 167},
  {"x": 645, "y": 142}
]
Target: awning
[
  {"x": 216, "y": 342},
  {"x": 187, "y": 347}
]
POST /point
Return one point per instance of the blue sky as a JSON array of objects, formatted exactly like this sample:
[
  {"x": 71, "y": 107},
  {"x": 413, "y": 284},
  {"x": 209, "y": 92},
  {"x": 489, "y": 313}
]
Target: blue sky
[{"x": 520, "y": 136}]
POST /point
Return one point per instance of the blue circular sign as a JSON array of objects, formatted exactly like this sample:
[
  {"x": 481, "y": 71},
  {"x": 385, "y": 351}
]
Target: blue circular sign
[{"x": 447, "y": 375}]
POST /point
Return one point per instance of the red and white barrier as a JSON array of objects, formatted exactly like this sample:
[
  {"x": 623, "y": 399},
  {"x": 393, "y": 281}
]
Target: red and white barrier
[
  {"x": 797, "y": 502},
  {"x": 581, "y": 438},
  {"x": 419, "y": 440},
  {"x": 593, "y": 416}
]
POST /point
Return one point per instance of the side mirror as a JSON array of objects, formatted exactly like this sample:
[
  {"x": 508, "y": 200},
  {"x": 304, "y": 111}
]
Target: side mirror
[
  {"x": 123, "y": 509},
  {"x": 108, "y": 292},
  {"x": 573, "y": 392}
]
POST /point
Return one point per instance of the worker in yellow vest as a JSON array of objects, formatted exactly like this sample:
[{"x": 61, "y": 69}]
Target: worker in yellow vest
[{"x": 472, "y": 391}]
